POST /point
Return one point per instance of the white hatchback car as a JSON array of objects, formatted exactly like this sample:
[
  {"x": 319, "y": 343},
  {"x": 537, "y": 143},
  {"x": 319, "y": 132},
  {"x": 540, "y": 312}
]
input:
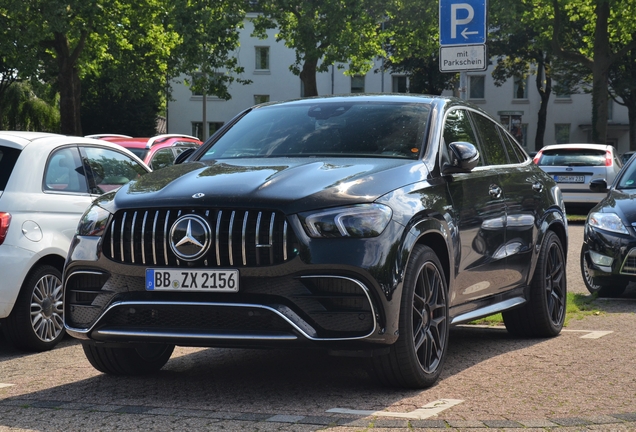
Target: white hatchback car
[
  {"x": 573, "y": 166},
  {"x": 47, "y": 181}
]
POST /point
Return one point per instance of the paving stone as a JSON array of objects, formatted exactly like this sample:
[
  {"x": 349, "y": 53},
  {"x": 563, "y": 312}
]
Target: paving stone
[
  {"x": 465, "y": 424},
  {"x": 538, "y": 423},
  {"x": 501, "y": 424},
  {"x": 283, "y": 418},
  {"x": 133, "y": 409},
  {"x": 573, "y": 421},
  {"x": 428, "y": 424}
]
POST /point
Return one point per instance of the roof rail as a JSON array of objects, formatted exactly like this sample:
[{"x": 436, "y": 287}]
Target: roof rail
[
  {"x": 154, "y": 139},
  {"x": 98, "y": 136}
]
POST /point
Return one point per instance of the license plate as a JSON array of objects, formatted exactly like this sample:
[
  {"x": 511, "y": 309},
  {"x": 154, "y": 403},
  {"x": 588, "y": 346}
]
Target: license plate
[
  {"x": 192, "y": 280},
  {"x": 569, "y": 178}
]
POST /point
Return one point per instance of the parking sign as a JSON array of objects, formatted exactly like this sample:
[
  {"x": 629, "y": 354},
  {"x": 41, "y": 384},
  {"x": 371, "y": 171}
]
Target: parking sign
[{"x": 462, "y": 22}]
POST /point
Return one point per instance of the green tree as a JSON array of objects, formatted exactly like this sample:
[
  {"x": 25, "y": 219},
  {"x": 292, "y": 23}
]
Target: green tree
[
  {"x": 622, "y": 77},
  {"x": 520, "y": 41},
  {"x": 412, "y": 43},
  {"x": 22, "y": 109},
  {"x": 599, "y": 38},
  {"x": 325, "y": 32},
  {"x": 153, "y": 38}
]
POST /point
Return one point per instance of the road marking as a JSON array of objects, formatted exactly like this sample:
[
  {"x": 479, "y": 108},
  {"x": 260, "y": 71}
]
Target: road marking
[
  {"x": 591, "y": 334},
  {"x": 428, "y": 410},
  {"x": 2, "y": 385}
]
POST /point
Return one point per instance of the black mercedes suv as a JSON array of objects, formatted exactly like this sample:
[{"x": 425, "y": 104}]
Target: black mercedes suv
[{"x": 365, "y": 225}]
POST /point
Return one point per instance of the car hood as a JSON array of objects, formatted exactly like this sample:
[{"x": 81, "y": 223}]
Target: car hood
[
  {"x": 288, "y": 184},
  {"x": 622, "y": 202}
]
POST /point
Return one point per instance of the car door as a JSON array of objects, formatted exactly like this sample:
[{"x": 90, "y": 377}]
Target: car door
[
  {"x": 480, "y": 217},
  {"x": 522, "y": 192}
]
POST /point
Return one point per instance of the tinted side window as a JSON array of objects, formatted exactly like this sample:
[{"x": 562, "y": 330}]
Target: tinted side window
[
  {"x": 108, "y": 169},
  {"x": 64, "y": 171},
  {"x": 491, "y": 144},
  {"x": 515, "y": 154},
  {"x": 8, "y": 157},
  {"x": 457, "y": 127}
]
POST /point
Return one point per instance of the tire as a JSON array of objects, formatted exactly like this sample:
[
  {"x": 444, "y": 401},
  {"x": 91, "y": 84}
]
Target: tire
[
  {"x": 543, "y": 313},
  {"x": 139, "y": 359},
  {"x": 36, "y": 322},
  {"x": 608, "y": 288},
  {"x": 416, "y": 359}
]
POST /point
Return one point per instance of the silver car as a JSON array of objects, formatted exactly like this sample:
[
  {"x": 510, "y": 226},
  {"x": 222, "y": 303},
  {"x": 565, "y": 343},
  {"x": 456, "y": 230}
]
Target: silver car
[{"x": 573, "y": 166}]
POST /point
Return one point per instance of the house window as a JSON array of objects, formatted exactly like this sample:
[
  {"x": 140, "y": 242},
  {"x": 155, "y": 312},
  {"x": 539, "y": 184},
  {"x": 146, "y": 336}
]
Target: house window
[
  {"x": 399, "y": 84},
  {"x": 520, "y": 88},
  {"x": 357, "y": 84},
  {"x": 562, "y": 133},
  {"x": 477, "y": 87},
  {"x": 212, "y": 127},
  {"x": 217, "y": 75},
  {"x": 262, "y": 58},
  {"x": 259, "y": 99}
]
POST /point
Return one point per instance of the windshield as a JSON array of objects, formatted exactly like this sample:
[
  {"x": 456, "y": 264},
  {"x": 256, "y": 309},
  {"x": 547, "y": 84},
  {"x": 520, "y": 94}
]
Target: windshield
[
  {"x": 368, "y": 129},
  {"x": 627, "y": 179}
]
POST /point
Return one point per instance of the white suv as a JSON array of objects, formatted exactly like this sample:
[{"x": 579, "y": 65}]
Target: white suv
[{"x": 47, "y": 181}]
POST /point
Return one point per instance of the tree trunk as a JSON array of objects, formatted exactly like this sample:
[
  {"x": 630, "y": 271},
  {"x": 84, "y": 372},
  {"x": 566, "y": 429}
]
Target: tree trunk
[
  {"x": 600, "y": 72},
  {"x": 69, "y": 83},
  {"x": 544, "y": 93},
  {"x": 308, "y": 77}
]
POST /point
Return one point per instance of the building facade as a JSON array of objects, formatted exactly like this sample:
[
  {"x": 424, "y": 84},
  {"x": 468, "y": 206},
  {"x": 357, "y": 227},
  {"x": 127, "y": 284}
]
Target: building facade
[{"x": 266, "y": 62}]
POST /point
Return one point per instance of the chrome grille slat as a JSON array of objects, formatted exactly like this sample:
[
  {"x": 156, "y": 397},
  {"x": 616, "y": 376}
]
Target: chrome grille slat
[
  {"x": 143, "y": 239},
  {"x": 132, "y": 238},
  {"x": 244, "y": 239},
  {"x": 165, "y": 236},
  {"x": 261, "y": 234},
  {"x": 217, "y": 238},
  {"x": 229, "y": 243}
]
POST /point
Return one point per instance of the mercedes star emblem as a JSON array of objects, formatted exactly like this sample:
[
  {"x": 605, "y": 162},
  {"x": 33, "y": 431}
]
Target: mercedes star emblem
[{"x": 190, "y": 237}]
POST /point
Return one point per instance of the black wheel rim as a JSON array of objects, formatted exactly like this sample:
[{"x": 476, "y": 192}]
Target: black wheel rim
[
  {"x": 429, "y": 318},
  {"x": 555, "y": 284},
  {"x": 586, "y": 275}
]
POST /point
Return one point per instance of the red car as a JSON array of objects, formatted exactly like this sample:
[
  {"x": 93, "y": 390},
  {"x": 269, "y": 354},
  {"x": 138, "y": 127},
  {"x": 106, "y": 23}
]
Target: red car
[{"x": 157, "y": 152}]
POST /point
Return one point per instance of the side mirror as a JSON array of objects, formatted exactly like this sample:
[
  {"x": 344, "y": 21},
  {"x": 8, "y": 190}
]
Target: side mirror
[
  {"x": 463, "y": 158},
  {"x": 598, "y": 185},
  {"x": 183, "y": 155}
]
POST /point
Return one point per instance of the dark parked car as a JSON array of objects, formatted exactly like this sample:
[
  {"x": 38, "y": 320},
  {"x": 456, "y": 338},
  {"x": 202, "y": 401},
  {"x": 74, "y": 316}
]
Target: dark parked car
[
  {"x": 365, "y": 225},
  {"x": 608, "y": 253}
]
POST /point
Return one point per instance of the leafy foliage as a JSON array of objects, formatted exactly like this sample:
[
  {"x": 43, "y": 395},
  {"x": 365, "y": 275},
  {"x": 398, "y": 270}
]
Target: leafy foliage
[{"x": 324, "y": 33}]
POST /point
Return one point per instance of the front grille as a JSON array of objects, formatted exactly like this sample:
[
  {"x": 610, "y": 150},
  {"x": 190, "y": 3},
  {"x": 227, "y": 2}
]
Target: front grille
[
  {"x": 239, "y": 238},
  {"x": 629, "y": 265}
]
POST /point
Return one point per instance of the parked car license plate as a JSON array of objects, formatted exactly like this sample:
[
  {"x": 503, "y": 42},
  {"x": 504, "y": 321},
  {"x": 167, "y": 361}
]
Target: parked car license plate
[
  {"x": 569, "y": 178},
  {"x": 192, "y": 280}
]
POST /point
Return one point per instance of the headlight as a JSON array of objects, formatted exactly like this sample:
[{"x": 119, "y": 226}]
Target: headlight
[
  {"x": 364, "y": 220},
  {"x": 608, "y": 222},
  {"x": 93, "y": 222}
]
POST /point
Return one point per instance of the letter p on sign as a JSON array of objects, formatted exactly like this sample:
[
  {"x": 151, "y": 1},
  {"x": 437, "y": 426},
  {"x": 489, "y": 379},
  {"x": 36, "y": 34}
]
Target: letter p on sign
[{"x": 456, "y": 21}]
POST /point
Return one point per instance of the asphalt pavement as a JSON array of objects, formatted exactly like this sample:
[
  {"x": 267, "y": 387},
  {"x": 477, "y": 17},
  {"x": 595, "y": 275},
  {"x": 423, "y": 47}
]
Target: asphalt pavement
[{"x": 581, "y": 380}]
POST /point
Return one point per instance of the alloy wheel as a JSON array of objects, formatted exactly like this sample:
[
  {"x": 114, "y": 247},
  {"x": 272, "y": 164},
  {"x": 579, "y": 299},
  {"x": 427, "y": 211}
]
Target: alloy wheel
[{"x": 47, "y": 308}]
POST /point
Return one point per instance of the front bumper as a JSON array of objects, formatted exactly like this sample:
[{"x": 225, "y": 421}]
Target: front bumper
[
  {"x": 332, "y": 296},
  {"x": 621, "y": 249}
]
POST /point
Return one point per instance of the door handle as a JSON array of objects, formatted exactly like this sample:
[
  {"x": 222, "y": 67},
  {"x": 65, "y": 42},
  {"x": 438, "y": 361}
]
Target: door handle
[
  {"x": 537, "y": 187},
  {"x": 494, "y": 191}
]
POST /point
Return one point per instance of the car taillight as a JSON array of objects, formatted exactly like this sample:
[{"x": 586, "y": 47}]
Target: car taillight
[
  {"x": 608, "y": 158},
  {"x": 5, "y": 219},
  {"x": 537, "y": 157}
]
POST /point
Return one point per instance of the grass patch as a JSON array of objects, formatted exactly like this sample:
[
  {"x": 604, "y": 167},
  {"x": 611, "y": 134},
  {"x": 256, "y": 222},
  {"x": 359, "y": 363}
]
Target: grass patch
[
  {"x": 578, "y": 307},
  {"x": 576, "y": 218}
]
